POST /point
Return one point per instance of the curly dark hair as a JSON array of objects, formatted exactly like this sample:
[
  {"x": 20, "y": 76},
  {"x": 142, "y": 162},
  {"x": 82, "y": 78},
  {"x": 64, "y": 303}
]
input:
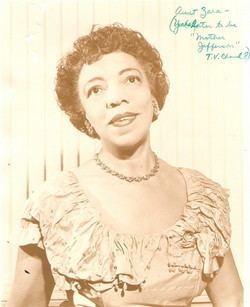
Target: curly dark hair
[{"x": 87, "y": 50}]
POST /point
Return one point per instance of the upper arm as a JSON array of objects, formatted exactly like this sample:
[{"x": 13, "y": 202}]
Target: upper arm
[
  {"x": 33, "y": 282},
  {"x": 225, "y": 289}
]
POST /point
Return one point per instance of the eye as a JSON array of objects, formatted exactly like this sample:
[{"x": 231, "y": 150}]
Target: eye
[
  {"x": 94, "y": 90},
  {"x": 133, "y": 79}
]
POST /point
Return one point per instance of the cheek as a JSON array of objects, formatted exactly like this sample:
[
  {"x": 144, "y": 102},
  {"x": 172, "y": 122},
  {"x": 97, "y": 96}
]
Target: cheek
[
  {"x": 145, "y": 102},
  {"x": 143, "y": 97},
  {"x": 94, "y": 110}
]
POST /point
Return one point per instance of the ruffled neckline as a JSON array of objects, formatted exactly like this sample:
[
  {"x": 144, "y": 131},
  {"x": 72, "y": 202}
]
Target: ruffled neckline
[
  {"x": 103, "y": 257},
  {"x": 92, "y": 200}
]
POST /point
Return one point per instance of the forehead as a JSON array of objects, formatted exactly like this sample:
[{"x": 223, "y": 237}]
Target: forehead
[{"x": 109, "y": 64}]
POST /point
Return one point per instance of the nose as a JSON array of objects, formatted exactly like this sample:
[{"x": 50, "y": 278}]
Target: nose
[{"x": 113, "y": 104}]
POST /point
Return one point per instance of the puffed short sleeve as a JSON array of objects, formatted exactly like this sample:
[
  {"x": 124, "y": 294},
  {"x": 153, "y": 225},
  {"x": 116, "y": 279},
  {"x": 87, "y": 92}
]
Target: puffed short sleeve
[
  {"x": 48, "y": 220},
  {"x": 30, "y": 228},
  {"x": 210, "y": 206}
]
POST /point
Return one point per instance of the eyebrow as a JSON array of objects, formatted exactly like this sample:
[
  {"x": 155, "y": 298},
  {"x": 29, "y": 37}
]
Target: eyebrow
[
  {"x": 120, "y": 73},
  {"x": 128, "y": 69},
  {"x": 95, "y": 79}
]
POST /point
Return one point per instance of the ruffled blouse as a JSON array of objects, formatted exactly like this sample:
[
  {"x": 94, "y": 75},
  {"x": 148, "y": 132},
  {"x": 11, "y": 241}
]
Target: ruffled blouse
[{"x": 120, "y": 269}]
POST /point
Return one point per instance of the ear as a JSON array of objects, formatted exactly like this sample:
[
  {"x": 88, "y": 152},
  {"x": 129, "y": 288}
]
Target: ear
[
  {"x": 87, "y": 116},
  {"x": 156, "y": 109}
]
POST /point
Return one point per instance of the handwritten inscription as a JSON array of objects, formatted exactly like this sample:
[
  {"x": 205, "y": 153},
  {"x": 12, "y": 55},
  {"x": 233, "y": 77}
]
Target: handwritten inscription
[
  {"x": 211, "y": 28},
  {"x": 177, "y": 21},
  {"x": 176, "y": 24}
]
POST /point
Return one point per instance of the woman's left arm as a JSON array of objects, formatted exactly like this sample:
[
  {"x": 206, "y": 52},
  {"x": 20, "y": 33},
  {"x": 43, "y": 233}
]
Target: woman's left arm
[{"x": 226, "y": 289}]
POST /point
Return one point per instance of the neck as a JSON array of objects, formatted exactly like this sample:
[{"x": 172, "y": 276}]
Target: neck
[{"x": 136, "y": 161}]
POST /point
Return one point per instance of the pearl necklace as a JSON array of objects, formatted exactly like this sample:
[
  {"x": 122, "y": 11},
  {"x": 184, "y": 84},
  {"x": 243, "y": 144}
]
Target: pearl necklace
[{"x": 107, "y": 169}]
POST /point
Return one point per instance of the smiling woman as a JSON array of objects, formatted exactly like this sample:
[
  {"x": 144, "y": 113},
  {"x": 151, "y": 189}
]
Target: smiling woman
[
  {"x": 88, "y": 50},
  {"x": 125, "y": 228},
  {"x": 116, "y": 96}
]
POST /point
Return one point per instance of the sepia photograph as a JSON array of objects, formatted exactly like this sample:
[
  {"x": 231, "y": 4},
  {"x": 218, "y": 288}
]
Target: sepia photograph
[{"x": 123, "y": 145}]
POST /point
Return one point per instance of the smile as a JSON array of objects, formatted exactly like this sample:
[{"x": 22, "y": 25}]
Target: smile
[{"x": 120, "y": 121}]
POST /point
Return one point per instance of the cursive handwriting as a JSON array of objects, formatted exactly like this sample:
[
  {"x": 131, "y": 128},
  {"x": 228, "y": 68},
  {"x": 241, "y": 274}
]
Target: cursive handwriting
[
  {"x": 230, "y": 24},
  {"x": 207, "y": 47},
  {"x": 197, "y": 22},
  {"x": 181, "y": 11},
  {"x": 209, "y": 36},
  {"x": 210, "y": 28},
  {"x": 176, "y": 24},
  {"x": 204, "y": 11},
  {"x": 242, "y": 55}
]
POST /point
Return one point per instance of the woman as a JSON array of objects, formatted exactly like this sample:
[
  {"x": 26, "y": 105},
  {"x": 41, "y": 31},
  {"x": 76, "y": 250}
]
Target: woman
[{"x": 125, "y": 228}]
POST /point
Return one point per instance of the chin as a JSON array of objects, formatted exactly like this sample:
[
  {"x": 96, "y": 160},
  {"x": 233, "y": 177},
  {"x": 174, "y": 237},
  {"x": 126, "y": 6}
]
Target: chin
[{"x": 128, "y": 141}]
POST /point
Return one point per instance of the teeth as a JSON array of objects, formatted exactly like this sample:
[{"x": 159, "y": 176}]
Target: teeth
[{"x": 124, "y": 118}]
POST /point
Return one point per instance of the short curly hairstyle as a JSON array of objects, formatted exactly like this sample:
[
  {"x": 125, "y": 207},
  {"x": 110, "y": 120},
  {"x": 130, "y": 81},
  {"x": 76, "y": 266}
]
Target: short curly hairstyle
[{"x": 90, "y": 48}]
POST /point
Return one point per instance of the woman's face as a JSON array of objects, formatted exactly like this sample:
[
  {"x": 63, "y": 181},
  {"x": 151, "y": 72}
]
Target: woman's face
[{"x": 116, "y": 96}]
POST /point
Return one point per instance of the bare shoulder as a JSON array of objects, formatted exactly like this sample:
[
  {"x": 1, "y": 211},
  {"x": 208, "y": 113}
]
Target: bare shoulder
[
  {"x": 86, "y": 169},
  {"x": 173, "y": 180},
  {"x": 88, "y": 173},
  {"x": 171, "y": 173}
]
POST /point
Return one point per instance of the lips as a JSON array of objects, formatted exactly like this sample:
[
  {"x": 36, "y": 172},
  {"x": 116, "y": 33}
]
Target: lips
[{"x": 123, "y": 116}]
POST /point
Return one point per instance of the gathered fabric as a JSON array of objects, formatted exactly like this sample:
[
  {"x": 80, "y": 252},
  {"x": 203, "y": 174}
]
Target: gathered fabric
[{"x": 109, "y": 268}]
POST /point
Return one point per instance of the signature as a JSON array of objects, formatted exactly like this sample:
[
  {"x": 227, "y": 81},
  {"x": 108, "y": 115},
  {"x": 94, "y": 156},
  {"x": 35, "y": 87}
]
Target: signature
[
  {"x": 176, "y": 24},
  {"x": 243, "y": 55}
]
